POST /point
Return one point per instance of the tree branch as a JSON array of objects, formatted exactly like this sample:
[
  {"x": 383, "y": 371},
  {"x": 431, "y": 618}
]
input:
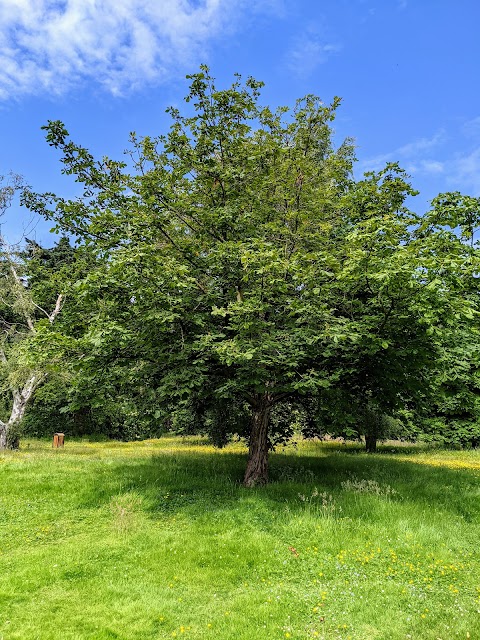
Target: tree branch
[{"x": 58, "y": 308}]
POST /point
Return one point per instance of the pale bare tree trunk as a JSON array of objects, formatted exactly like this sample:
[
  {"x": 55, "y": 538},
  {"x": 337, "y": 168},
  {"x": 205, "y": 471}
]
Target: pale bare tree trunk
[
  {"x": 19, "y": 406},
  {"x": 3, "y": 435}
]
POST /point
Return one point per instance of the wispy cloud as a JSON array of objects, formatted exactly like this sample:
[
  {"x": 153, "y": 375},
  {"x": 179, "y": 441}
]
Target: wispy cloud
[
  {"x": 432, "y": 166},
  {"x": 54, "y": 45},
  {"x": 471, "y": 128},
  {"x": 464, "y": 166},
  {"x": 309, "y": 51},
  {"x": 414, "y": 156},
  {"x": 464, "y": 172},
  {"x": 458, "y": 170}
]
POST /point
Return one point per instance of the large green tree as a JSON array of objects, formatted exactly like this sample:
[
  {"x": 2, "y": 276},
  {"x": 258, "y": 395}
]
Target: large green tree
[{"x": 240, "y": 264}]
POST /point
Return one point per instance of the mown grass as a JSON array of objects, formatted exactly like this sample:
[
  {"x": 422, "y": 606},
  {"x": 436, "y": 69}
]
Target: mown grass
[{"x": 158, "y": 539}]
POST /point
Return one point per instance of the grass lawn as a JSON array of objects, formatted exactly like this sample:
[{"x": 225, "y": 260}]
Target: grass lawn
[{"x": 158, "y": 539}]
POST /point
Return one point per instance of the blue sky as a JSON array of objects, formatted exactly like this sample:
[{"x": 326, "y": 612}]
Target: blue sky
[{"x": 407, "y": 70}]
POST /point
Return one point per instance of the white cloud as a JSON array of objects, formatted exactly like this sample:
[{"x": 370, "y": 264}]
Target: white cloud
[
  {"x": 55, "y": 45},
  {"x": 308, "y": 52}
]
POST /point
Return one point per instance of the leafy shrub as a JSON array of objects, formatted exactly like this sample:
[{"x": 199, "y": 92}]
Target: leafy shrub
[{"x": 452, "y": 432}]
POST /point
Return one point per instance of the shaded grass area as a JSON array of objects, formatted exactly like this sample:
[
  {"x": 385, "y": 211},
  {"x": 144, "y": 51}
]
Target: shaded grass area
[{"x": 159, "y": 539}]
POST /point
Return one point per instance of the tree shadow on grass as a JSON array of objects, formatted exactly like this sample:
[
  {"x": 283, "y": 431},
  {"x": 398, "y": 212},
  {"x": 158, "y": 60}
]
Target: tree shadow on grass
[{"x": 195, "y": 484}]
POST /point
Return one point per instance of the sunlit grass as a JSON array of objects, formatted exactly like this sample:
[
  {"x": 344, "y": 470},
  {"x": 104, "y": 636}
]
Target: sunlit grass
[{"x": 158, "y": 539}]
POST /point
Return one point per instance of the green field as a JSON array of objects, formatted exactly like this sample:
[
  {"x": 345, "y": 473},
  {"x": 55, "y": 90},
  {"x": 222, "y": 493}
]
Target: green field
[{"x": 158, "y": 539}]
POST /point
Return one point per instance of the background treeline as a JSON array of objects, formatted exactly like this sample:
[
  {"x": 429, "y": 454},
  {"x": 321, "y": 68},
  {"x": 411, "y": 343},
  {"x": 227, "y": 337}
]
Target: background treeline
[{"x": 453, "y": 421}]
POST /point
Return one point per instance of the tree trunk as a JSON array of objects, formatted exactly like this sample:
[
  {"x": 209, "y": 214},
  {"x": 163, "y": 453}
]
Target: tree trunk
[
  {"x": 257, "y": 465},
  {"x": 371, "y": 443},
  {"x": 3, "y": 435},
  {"x": 10, "y": 431}
]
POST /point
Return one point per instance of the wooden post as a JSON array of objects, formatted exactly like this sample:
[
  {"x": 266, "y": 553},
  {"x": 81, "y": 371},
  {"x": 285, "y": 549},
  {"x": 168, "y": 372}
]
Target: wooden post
[{"x": 58, "y": 440}]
